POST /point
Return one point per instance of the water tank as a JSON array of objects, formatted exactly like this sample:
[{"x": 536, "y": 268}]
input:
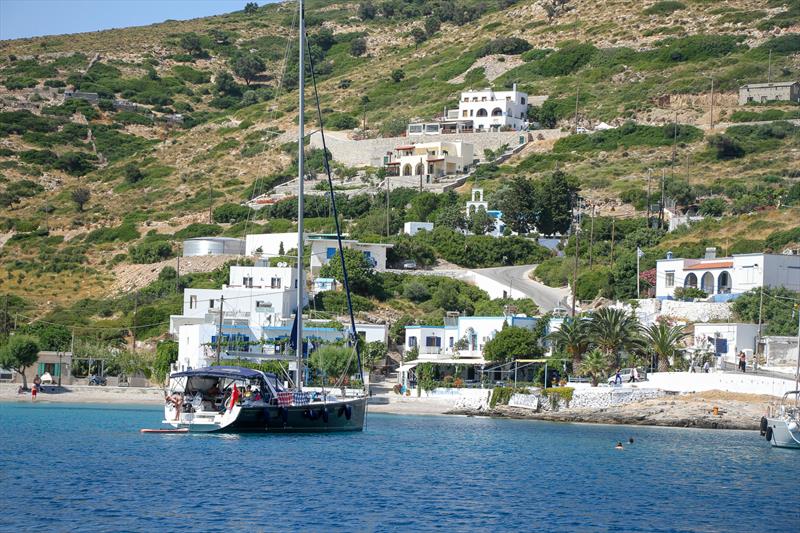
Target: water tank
[{"x": 213, "y": 246}]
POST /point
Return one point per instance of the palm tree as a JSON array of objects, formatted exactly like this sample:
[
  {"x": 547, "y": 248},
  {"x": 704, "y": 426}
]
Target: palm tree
[
  {"x": 663, "y": 339},
  {"x": 614, "y": 331},
  {"x": 595, "y": 365},
  {"x": 573, "y": 339}
]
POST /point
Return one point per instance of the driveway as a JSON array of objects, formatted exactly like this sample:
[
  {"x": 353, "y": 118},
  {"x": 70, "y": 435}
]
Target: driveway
[{"x": 516, "y": 277}]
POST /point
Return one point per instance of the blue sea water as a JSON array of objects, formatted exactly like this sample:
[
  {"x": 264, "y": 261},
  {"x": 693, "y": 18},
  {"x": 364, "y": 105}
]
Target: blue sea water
[{"x": 67, "y": 467}]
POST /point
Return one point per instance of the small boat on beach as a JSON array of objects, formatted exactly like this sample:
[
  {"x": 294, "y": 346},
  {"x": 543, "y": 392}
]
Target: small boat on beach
[{"x": 244, "y": 400}]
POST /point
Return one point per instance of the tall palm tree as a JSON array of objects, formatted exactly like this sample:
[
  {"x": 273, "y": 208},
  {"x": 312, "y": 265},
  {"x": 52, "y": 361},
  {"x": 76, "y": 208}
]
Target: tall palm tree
[
  {"x": 663, "y": 339},
  {"x": 614, "y": 331},
  {"x": 595, "y": 365},
  {"x": 573, "y": 339}
]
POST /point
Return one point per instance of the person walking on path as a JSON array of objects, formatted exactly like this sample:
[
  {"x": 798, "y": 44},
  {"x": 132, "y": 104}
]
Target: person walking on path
[
  {"x": 634, "y": 375},
  {"x": 618, "y": 378},
  {"x": 742, "y": 362},
  {"x": 706, "y": 366}
]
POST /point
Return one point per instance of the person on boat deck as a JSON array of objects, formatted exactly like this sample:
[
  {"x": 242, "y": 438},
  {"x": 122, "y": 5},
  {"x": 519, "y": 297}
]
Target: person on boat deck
[
  {"x": 248, "y": 392},
  {"x": 213, "y": 392},
  {"x": 177, "y": 401}
]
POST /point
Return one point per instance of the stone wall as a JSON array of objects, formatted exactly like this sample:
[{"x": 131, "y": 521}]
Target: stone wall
[
  {"x": 370, "y": 152},
  {"x": 648, "y": 310},
  {"x": 585, "y": 398}
]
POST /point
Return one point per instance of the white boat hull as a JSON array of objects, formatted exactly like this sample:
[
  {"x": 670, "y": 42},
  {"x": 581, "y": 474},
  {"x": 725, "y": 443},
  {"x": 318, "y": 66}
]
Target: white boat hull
[{"x": 783, "y": 433}]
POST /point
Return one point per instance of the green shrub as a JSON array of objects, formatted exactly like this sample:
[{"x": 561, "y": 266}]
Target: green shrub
[
  {"x": 568, "y": 59},
  {"x": 336, "y": 302},
  {"x": 778, "y": 239},
  {"x": 123, "y": 233},
  {"x": 230, "y": 213},
  {"x": 195, "y": 77},
  {"x": 666, "y": 7},
  {"x": 688, "y": 293},
  {"x": 341, "y": 121},
  {"x": 626, "y": 136},
  {"x": 198, "y": 230},
  {"x": 150, "y": 252},
  {"x": 130, "y": 117},
  {"x": 502, "y": 395},
  {"x": 504, "y": 45}
]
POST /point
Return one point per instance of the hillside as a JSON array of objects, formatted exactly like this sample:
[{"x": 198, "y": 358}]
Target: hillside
[{"x": 150, "y": 178}]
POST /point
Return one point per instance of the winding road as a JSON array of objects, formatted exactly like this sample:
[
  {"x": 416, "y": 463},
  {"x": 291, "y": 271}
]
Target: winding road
[{"x": 516, "y": 277}]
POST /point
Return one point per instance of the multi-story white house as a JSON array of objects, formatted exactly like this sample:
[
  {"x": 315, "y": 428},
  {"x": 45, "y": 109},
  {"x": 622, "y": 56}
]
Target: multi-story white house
[
  {"x": 431, "y": 159},
  {"x": 494, "y": 110},
  {"x": 324, "y": 247},
  {"x": 725, "y": 277}
]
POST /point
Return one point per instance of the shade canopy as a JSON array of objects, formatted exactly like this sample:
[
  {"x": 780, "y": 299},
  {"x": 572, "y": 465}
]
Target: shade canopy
[{"x": 232, "y": 372}]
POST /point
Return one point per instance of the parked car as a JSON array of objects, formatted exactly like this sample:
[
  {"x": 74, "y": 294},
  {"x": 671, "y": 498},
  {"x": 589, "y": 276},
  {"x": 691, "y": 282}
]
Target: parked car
[
  {"x": 409, "y": 265},
  {"x": 626, "y": 375},
  {"x": 581, "y": 130}
]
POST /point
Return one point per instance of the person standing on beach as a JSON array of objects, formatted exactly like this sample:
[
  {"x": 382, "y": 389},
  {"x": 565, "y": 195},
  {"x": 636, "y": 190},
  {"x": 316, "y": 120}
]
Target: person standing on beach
[
  {"x": 742, "y": 362},
  {"x": 34, "y": 391}
]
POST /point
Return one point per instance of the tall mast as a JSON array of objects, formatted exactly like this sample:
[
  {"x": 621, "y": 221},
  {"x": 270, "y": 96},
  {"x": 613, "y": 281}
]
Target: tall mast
[{"x": 301, "y": 278}]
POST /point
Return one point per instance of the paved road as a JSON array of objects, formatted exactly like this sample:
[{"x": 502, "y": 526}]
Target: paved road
[{"x": 547, "y": 298}]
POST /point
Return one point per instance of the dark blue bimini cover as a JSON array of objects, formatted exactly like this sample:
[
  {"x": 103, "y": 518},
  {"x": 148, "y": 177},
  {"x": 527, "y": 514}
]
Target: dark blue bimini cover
[{"x": 222, "y": 372}]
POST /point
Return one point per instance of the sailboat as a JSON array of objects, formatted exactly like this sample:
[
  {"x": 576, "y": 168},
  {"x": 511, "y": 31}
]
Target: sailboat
[
  {"x": 783, "y": 428},
  {"x": 238, "y": 399}
]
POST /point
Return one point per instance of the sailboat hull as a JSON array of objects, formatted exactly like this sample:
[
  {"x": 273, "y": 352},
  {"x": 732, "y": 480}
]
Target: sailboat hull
[
  {"x": 331, "y": 417},
  {"x": 783, "y": 434}
]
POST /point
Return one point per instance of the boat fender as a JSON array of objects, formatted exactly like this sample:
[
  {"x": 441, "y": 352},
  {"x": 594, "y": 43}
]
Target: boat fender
[
  {"x": 769, "y": 434},
  {"x": 348, "y": 411},
  {"x": 325, "y": 415},
  {"x": 763, "y": 427},
  {"x": 340, "y": 412}
]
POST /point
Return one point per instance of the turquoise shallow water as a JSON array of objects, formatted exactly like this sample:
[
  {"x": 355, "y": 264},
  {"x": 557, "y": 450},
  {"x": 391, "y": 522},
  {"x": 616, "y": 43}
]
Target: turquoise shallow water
[{"x": 86, "y": 467}]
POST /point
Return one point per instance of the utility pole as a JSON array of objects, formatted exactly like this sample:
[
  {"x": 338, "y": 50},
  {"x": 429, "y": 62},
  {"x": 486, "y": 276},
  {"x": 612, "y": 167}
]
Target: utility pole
[
  {"x": 219, "y": 326},
  {"x": 674, "y": 145},
  {"x": 210, "y": 203},
  {"x": 178, "y": 275},
  {"x": 760, "y": 309},
  {"x": 591, "y": 238},
  {"x": 387, "y": 205},
  {"x": 613, "y": 220},
  {"x": 577, "y": 93},
  {"x": 712, "y": 104},
  {"x": 649, "y": 176},
  {"x": 135, "y": 310},
  {"x": 5, "y": 315},
  {"x": 661, "y": 203},
  {"x": 769, "y": 67},
  {"x": 577, "y": 248}
]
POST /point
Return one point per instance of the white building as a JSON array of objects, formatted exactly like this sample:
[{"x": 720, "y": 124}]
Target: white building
[
  {"x": 476, "y": 203},
  {"x": 726, "y": 340},
  {"x": 412, "y": 228},
  {"x": 725, "y": 277},
  {"x": 494, "y": 110},
  {"x": 324, "y": 247},
  {"x": 430, "y": 159},
  {"x": 257, "y": 307},
  {"x": 270, "y": 244}
]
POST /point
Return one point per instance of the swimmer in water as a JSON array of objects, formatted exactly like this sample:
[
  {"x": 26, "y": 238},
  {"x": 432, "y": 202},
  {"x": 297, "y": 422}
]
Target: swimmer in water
[
  {"x": 630, "y": 440},
  {"x": 619, "y": 446}
]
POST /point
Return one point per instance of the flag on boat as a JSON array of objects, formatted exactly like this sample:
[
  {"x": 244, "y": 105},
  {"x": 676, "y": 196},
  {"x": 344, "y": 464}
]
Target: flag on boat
[{"x": 234, "y": 397}]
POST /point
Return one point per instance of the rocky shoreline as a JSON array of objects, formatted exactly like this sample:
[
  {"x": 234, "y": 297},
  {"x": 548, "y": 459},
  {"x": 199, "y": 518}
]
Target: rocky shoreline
[{"x": 734, "y": 411}]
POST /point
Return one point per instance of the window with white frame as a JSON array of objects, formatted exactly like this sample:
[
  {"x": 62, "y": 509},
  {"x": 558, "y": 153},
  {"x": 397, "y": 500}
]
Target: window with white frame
[
  {"x": 669, "y": 278},
  {"x": 192, "y": 301}
]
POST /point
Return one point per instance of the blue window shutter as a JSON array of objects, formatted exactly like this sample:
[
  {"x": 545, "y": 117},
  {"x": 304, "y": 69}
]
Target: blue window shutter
[{"x": 330, "y": 252}]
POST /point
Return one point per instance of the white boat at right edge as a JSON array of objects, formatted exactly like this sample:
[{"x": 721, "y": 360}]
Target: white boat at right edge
[{"x": 783, "y": 429}]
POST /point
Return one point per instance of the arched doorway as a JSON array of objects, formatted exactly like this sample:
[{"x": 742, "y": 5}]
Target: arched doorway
[
  {"x": 724, "y": 283},
  {"x": 420, "y": 169},
  {"x": 406, "y": 170},
  {"x": 481, "y": 113},
  {"x": 707, "y": 283},
  {"x": 497, "y": 112},
  {"x": 690, "y": 281}
]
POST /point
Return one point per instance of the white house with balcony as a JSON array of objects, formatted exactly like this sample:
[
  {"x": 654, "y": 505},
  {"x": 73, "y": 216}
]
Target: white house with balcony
[
  {"x": 494, "y": 110},
  {"x": 430, "y": 159},
  {"x": 460, "y": 341},
  {"x": 724, "y": 277},
  {"x": 324, "y": 247}
]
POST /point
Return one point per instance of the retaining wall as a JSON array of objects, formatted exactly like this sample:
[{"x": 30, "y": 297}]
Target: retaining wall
[
  {"x": 748, "y": 383},
  {"x": 371, "y": 151}
]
